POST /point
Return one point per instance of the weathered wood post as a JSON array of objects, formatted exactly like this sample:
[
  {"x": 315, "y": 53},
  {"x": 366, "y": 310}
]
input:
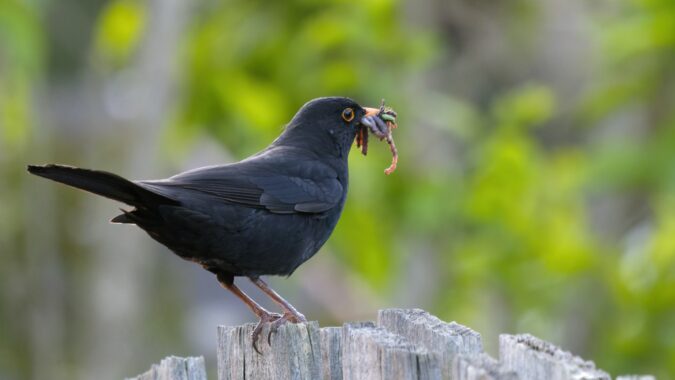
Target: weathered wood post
[
  {"x": 423, "y": 329},
  {"x": 405, "y": 344},
  {"x": 175, "y": 368},
  {"x": 331, "y": 353},
  {"x": 294, "y": 352},
  {"x": 480, "y": 367},
  {"x": 534, "y": 358},
  {"x": 370, "y": 352}
]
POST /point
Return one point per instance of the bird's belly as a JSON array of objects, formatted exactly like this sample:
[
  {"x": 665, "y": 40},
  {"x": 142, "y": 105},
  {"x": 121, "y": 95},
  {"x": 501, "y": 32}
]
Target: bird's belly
[
  {"x": 248, "y": 242},
  {"x": 280, "y": 243}
]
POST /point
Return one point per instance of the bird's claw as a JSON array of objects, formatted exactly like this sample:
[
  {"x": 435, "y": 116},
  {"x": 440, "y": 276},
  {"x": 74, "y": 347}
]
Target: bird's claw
[
  {"x": 287, "y": 317},
  {"x": 274, "y": 327},
  {"x": 264, "y": 318}
]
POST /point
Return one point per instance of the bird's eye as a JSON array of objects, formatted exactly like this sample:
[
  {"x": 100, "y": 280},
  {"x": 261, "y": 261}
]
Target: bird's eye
[{"x": 348, "y": 114}]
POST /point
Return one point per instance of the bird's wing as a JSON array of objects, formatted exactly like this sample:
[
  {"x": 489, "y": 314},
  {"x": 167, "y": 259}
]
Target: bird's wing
[{"x": 304, "y": 187}]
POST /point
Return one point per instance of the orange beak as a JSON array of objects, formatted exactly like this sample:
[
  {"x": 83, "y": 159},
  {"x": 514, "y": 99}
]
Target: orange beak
[{"x": 371, "y": 111}]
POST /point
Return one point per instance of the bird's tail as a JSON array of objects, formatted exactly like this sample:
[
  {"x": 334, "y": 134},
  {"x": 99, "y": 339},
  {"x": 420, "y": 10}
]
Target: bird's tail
[{"x": 102, "y": 183}]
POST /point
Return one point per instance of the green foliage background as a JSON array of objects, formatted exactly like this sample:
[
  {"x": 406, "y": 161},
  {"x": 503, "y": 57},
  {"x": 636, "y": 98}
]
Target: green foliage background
[{"x": 538, "y": 200}]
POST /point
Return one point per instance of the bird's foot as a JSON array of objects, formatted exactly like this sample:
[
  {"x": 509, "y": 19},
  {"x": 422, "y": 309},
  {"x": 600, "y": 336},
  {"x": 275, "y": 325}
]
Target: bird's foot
[
  {"x": 289, "y": 316},
  {"x": 265, "y": 317}
]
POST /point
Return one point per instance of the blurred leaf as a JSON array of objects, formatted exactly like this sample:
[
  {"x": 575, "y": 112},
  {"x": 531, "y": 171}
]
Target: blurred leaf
[
  {"x": 526, "y": 106},
  {"x": 119, "y": 30},
  {"x": 22, "y": 52}
]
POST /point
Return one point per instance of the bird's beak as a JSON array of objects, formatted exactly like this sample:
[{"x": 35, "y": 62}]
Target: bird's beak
[{"x": 371, "y": 111}]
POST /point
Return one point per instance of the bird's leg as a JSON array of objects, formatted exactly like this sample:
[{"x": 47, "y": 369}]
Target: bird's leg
[
  {"x": 291, "y": 314},
  {"x": 264, "y": 315}
]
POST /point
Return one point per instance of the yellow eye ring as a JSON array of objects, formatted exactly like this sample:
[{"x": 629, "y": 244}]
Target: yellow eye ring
[{"x": 348, "y": 115}]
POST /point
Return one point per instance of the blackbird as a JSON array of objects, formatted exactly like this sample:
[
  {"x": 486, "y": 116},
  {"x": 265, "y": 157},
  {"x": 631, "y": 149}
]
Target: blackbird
[{"x": 264, "y": 215}]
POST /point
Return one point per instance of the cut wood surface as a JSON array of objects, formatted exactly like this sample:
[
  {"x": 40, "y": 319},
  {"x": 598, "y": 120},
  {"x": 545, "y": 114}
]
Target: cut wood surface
[
  {"x": 533, "y": 358},
  {"x": 480, "y": 367},
  {"x": 294, "y": 352},
  {"x": 175, "y": 368},
  {"x": 425, "y": 330},
  {"x": 331, "y": 353},
  {"x": 404, "y": 344},
  {"x": 370, "y": 352}
]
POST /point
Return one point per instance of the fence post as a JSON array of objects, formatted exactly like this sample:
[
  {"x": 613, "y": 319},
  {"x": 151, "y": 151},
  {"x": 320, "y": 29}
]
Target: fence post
[
  {"x": 533, "y": 358},
  {"x": 370, "y": 352},
  {"x": 426, "y": 330},
  {"x": 331, "y": 352},
  {"x": 175, "y": 368},
  {"x": 480, "y": 367},
  {"x": 294, "y": 353},
  {"x": 405, "y": 344}
]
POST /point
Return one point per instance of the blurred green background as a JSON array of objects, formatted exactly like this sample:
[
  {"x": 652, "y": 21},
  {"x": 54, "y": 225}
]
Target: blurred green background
[{"x": 535, "y": 191}]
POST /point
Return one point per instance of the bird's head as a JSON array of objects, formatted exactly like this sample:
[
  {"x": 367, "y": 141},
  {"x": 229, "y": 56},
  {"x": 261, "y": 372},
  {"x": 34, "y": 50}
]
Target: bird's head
[{"x": 326, "y": 126}]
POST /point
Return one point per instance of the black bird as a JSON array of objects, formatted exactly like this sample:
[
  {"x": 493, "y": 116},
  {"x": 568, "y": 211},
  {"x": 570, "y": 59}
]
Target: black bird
[{"x": 264, "y": 215}]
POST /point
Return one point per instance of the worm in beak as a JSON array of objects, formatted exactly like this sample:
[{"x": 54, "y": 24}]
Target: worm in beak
[{"x": 380, "y": 122}]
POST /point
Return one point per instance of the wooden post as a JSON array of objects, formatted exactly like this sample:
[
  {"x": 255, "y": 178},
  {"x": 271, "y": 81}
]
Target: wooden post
[
  {"x": 480, "y": 367},
  {"x": 370, "y": 352},
  {"x": 426, "y": 330},
  {"x": 406, "y": 344},
  {"x": 175, "y": 368},
  {"x": 533, "y": 358},
  {"x": 294, "y": 353},
  {"x": 331, "y": 353}
]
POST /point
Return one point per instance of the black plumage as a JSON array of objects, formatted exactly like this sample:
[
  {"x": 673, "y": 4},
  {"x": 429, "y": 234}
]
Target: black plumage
[{"x": 264, "y": 215}]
